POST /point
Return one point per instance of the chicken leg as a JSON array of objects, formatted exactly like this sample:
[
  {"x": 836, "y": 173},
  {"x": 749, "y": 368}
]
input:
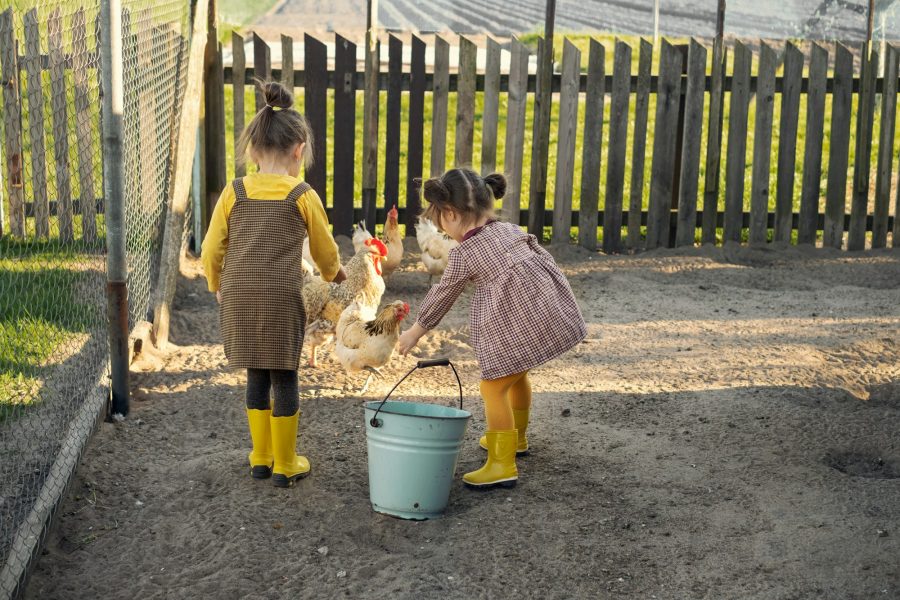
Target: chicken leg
[{"x": 373, "y": 372}]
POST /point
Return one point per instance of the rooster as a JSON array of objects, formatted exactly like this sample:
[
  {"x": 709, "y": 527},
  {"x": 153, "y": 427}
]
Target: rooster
[
  {"x": 435, "y": 247},
  {"x": 393, "y": 241},
  {"x": 367, "y": 344},
  {"x": 325, "y": 301},
  {"x": 360, "y": 235}
]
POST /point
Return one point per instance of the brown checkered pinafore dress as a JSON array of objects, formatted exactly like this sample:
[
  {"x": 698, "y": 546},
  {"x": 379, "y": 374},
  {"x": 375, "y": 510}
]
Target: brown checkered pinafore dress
[{"x": 262, "y": 316}]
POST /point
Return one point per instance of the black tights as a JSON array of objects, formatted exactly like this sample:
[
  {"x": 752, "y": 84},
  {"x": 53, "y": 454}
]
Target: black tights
[{"x": 283, "y": 383}]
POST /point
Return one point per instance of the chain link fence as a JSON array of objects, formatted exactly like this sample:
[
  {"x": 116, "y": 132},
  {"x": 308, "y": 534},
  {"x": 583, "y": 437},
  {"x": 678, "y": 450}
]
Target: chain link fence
[{"x": 54, "y": 352}]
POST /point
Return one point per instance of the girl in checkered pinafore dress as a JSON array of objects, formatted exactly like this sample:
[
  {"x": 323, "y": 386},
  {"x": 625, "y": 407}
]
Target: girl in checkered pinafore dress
[
  {"x": 523, "y": 313},
  {"x": 252, "y": 256}
]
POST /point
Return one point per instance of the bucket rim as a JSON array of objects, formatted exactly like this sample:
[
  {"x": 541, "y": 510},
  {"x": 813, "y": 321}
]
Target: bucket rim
[{"x": 464, "y": 414}]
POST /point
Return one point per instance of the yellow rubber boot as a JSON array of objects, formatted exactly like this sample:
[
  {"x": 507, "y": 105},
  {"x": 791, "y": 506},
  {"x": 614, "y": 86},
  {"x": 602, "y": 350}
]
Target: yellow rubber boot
[
  {"x": 500, "y": 468},
  {"x": 289, "y": 467},
  {"x": 521, "y": 420},
  {"x": 261, "y": 434}
]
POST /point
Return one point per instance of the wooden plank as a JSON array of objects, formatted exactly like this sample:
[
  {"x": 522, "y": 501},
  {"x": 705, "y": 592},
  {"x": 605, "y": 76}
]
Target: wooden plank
[
  {"x": 465, "y": 103},
  {"x": 592, "y": 144},
  {"x": 344, "y": 134},
  {"x": 59, "y": 104},
  {"x": 491, "y": 113},
  {"x": 36, "y": 124},
  {"x": 316, "y": 107},
  {"x": 440, "y": 90},
  {"x": 679, "y": 140},
  {"x": 214, "y": 122},
  {"x": 287, "y": 62},
  {"x": 239, "y": 66},
  {"x": 812, "y": 154},
  {"x": 371, "y": 106},
  {"x": 12, "y": 125},
  {"x": 84, "y": 132},
  {"x": 565, "y": 153},
  {"x": 690, "y": 145},
  {"x": 713, "y": 174},
  {"x": 841, "y": 112},
  {"x": 787, "y": 142},
  {"x": 885, "y": 173},
  {"x": 415, "y": 143},
  {"x": 865, "y": 117},
  {"x": 392, "y": 133},
  {"x": 262, "y": 67},
  {"x": 664, "y": 145},
  {"x": 517, "y": 97},
  {"x": 737, "y": 143},
  {"x": 639, "y": 147},
  {"x": 762, "y": 146},
  {"x": 540, "y": 139},
  {"x": 618, "y": 137}
]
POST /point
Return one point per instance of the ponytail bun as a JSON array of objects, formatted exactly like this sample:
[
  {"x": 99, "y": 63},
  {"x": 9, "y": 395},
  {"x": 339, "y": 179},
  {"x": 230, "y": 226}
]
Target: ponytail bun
[
  {"x": 277, "y": 96},
  {"x": 436, "y": 191},
  {"x": 497, "y": 184}
]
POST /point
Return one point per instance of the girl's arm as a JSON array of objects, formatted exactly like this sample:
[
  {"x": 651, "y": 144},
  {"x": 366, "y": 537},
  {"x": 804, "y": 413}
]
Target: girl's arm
[
  {"x": 212, "y": 253},
  {"x": 321, "y": 244},
  {"x": 439, "y": 301}
]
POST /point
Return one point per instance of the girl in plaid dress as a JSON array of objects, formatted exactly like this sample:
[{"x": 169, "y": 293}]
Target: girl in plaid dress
[
  {"x": 523, "y": 312},
  {"x": 252, "y": 257}
]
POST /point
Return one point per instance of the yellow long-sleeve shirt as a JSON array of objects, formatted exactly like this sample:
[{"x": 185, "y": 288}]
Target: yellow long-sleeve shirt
[{"x": 266, "y": 186}]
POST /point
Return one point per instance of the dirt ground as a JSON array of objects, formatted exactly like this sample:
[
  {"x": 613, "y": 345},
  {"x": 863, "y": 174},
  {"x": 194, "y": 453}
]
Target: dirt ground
[{"x": 728, "y": 430}]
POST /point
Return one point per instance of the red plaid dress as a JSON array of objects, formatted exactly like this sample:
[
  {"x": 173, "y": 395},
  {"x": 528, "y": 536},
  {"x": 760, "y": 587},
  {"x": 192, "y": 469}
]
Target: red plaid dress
[{"x": 523, "y": 313}]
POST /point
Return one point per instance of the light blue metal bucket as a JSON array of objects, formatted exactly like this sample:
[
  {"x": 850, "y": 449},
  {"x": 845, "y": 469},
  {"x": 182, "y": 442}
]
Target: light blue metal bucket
[{"x": 413, "y": 450}]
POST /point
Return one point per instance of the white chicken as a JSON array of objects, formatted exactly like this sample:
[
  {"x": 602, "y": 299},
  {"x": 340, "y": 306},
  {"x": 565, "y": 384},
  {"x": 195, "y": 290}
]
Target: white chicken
[
  {"x": 360, "y": 235},
  {"x": 435, "y": 246},
  {"x": 367, "y": 344},
  {"x": 393, "y": 241}
]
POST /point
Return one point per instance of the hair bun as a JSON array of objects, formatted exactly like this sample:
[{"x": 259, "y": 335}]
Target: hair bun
[
  {"x": 277, "y": 95},
  {"x": 436, "y": 190},
  {"x": 497, "y": 183}
]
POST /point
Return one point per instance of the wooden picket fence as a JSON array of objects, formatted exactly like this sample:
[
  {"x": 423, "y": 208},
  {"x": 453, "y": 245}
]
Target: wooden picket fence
[{"x": 690, "y": 99}]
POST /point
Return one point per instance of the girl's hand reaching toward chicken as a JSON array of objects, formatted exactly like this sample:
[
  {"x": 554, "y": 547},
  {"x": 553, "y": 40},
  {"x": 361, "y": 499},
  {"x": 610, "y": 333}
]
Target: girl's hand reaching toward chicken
[{"x": 409, "y": 338}]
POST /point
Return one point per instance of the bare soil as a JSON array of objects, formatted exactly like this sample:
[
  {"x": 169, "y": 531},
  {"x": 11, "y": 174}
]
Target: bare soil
[{"x": 728, "y": 430}]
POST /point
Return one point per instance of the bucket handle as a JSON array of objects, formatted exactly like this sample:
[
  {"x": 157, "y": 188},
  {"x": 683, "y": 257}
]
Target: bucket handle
[{"x": 422, "y": 364}]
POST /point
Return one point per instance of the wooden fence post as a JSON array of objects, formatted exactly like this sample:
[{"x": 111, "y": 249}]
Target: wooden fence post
[
  {"x": 287, "y": 62},
  {"x": 885, "y": 150},
  {"x": 859, "y": 205},
  {"x": 517, "y": 97},
  {"x": 59, "y": 108},
  {"x": 838, "y": 159},
  {"x": 370, "y": 118},
  {"x": 238, "y": 75},
  {"x": 592, "y": 146},
  {"x": 316, "y": 107},
  {"x": 639, "y": 149},
  {"x": 344, "y": 135},
  {"x": 440, "y": 90},
  {"x": 392, "y": 132},
  {"x": 84, "y": 130},
  {"x": 465, "y": 103},
  {"x": 36, "y": 124},
  {"x": 262, "y": 67},
  {"x": 690, "y": 148},
  {"x": 12, "y": 120},
  {"x": 713, "y": 177},
  {"x": 491, "y": 114},
  {"x": 416, "y": 135},
  {"x": 737, "y": 143},
  {"x": 812, "y": 154},
  {"x": 565, "y": 155},
  {"x": 664, "y": 144},
  {"x": 787, "y": 142},
  {"x": 762, "y": 145},
  {"x": 214, "y": 115},
  {"x": 618, "y": 137},
  {"x": 540, "y": 140}
]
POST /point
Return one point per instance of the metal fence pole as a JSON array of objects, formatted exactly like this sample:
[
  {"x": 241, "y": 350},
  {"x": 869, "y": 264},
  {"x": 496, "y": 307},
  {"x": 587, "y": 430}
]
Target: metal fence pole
[{"x": 116, "y": 267}]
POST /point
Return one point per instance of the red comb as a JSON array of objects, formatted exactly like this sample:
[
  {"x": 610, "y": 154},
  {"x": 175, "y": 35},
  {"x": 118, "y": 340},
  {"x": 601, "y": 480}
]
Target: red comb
[{"x": 382, "y": 249}]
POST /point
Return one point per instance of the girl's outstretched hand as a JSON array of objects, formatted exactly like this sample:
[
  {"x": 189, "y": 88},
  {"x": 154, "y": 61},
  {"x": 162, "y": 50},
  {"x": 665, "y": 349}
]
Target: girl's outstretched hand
[{"x": 409, "y": 338}]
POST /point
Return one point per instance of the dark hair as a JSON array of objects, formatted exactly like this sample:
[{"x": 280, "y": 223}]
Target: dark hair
[
  {"x": 277, "y": 127},
  {"x": 464, "y": 191}
]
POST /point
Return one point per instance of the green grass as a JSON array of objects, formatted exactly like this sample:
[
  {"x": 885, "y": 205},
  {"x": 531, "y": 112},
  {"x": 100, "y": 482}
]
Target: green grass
[{"x": 43, "y": 312}]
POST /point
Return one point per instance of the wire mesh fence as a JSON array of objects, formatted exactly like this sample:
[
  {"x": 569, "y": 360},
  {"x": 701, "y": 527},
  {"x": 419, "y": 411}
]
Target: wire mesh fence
[{"x": 54, "y": 352}]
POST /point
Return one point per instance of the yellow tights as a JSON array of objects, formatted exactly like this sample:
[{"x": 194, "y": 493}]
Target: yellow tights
[{"x": 503, "y": 395}]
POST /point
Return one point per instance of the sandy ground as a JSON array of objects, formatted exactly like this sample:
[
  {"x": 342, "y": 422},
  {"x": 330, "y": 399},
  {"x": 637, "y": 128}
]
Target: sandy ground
[{"x": 728, "y": 430}]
